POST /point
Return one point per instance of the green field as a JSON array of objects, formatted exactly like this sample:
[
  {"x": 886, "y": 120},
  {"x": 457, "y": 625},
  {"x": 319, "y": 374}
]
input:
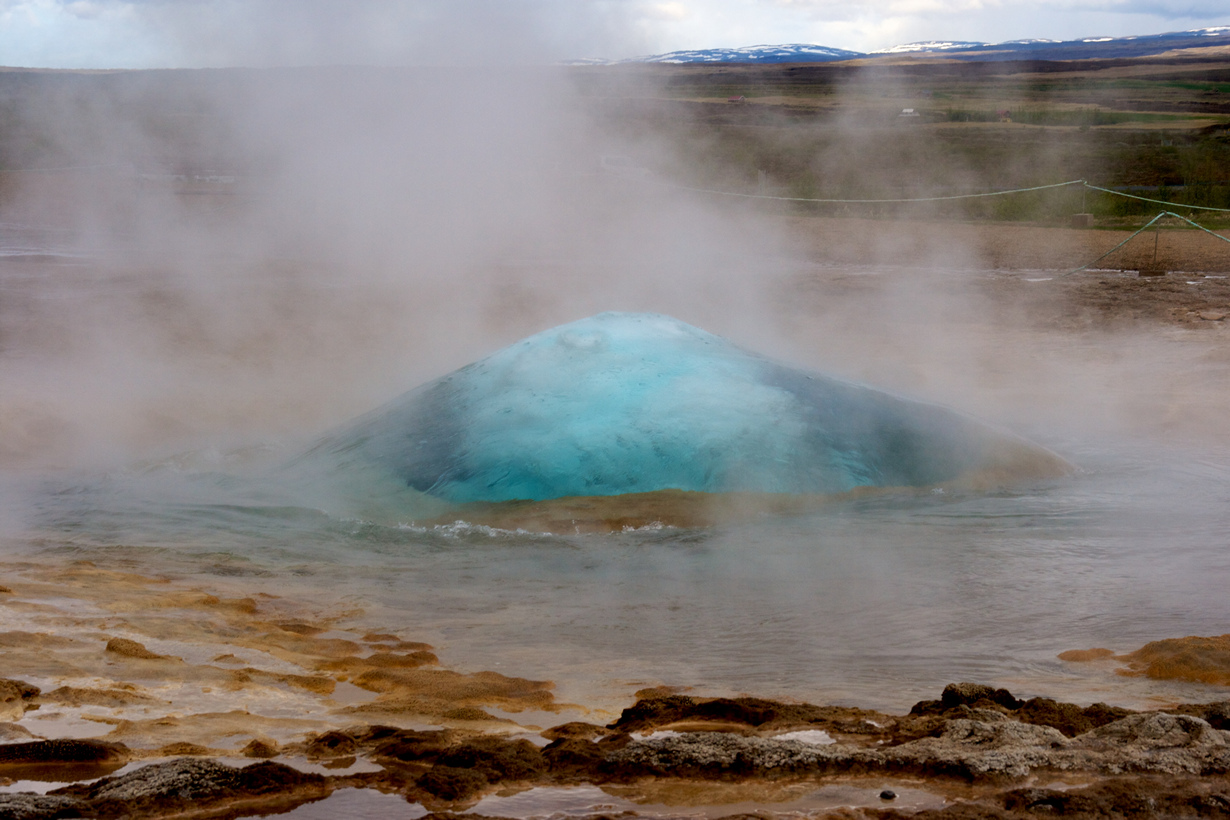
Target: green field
[{"x": 1158, "y": 127}]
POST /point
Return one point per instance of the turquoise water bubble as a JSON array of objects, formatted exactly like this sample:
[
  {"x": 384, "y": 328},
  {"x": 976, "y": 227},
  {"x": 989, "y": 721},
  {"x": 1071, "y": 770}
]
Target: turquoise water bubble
[{"x": 636, "y": 402}]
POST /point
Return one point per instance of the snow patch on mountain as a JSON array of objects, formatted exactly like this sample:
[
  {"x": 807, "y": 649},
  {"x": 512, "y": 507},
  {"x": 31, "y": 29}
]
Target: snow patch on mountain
[
  {"x": 929, "y": 46},
  {"x": 1134, "y": 45},
  {"x": 789, "y": 53}
]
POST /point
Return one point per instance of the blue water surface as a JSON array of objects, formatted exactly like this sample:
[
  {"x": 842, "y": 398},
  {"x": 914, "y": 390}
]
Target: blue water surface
[{"x": 634, "y": 402}]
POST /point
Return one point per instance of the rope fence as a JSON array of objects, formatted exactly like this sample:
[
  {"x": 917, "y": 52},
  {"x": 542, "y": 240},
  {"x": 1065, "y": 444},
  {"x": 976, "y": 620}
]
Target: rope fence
[
  {"x": 114, "y": 166},
  {"x": 1144, "y": 228},
  {"x": 1156, "y": 201},
  {"x": 880, "y": 201},
  {"x": 1080, "y": 182},
  {"x": 1005, "y": 192},
  {"x": 875, "y": 201}
]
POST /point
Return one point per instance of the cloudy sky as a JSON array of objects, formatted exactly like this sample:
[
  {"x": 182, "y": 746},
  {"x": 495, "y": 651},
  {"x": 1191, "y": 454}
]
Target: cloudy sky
[{"x": 195, "y": 33}]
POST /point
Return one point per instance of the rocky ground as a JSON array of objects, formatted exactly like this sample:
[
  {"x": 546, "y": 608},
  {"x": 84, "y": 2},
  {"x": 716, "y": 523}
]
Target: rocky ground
[
  {"x": 270, "y": 705},
  {"x": 171, "y": 700},
  {"x": 1034, "y": 268},
  {"x": 980, "y": 752},
  {"x": 1174, "y": 246}
]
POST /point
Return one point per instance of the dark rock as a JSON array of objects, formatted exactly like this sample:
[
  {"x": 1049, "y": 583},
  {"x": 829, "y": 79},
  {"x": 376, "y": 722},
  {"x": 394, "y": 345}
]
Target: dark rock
[
  {"x": 752, "y": 711},
  {"x": 575, "y": 729},
  {"x": 496, "y": 758},
  {"x": 331, "y": 744},
  {"x": 467, "y": 713},
  {"x": 611, "y": 742},
  {"x": 1099, "y": 714},
  {"x": 1033, "y": 800},
  {"x": 975, "y": 750},
  {"x": 408, "y": 745},
  {"x": 658, "y": 710},
  {"x": 63, "y": 751},
  {"x": 366, "y": 735},
  {"x": 989, "y": 748},
  {"x": 916, "y": 726},
  {"x": 573, "y": 755},
  {"x": 888, "y": 794},
  {"x": 1119, "y": 797},
  {"x": 269, "y": 778},
  {"x": 448, "y": 783},
  {"x": 189, "y": 783},
  {"x": 972, "y": 694},
  {"x": 27, "y": 806},
  {"x": 182, "y": 749},
  {"x": 1216, "y": 714},
  {"x": 927, "y": 707},
  {"x": 722, "y": 755},
  {"x": 260, "y": 749},
  {"x": 963, "y": 700},
  {"x": 653, "y": 712},
  {"x": 1153, "y": 731},
  {"x": 1069, "y": 718}
]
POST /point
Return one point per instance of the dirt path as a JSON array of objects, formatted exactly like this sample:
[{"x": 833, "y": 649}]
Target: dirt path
[
  {"x": 1035, "y": 265},
  {"x": 1003, "y": 246}
]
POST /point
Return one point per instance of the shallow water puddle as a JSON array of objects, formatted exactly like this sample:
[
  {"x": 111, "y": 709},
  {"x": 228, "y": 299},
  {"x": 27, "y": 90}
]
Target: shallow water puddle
[
  {"x": 547, "y": 801},
  {"x": 44, "y": 778},
  {"x": 65, "y": 723},
  {"x": 702, "y": 800},
  {"x": 356, "y": 804}
]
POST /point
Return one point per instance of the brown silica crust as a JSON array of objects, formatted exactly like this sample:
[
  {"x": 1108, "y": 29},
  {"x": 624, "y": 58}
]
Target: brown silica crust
[{"x": 1001, "y": 755}]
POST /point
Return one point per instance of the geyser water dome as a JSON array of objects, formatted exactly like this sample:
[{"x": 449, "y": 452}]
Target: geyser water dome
[{"x": 632, "y": 403}]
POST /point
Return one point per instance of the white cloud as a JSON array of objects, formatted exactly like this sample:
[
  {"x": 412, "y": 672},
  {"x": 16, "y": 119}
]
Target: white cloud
[
  {"x": 138, "y": 33},
  {"x": 92, "y": 10},
  {"x": 81, "y": 34},
  {"x": 866, "y": 25},
  {"x": 144, "y": 33},
  {"x": 666, "y": 12}
]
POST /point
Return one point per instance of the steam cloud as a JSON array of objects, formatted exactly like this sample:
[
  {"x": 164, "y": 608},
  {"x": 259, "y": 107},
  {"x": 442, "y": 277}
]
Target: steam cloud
[
  {"x": 270, "y": 252},
  {"x": 383, "y": 226}
]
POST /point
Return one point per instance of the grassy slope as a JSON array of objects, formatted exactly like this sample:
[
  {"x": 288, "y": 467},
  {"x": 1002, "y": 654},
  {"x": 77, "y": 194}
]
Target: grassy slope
[{"x": 833, "y": 130}]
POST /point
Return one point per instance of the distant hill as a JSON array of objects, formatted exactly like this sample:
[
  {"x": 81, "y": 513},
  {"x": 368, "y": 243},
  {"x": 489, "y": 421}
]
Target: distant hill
[
  {"x": 794, "y": 53},
  {"x": 1088, "y": 48}
]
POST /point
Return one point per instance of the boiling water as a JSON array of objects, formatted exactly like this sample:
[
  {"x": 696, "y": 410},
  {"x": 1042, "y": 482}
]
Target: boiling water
[
  {"x": 876, "y": 602},
  {"x": 879, "y": 602}
]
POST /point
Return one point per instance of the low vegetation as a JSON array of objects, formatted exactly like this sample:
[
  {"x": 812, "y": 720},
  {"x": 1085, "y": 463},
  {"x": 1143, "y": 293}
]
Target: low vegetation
[{"x": 1153, "y": 127}]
